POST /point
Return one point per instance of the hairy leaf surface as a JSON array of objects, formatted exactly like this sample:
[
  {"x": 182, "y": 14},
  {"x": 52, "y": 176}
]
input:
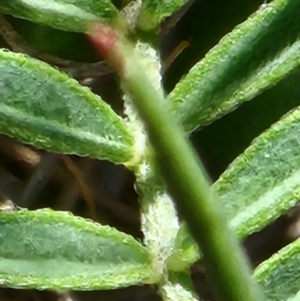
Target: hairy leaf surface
[
  {"x": 259, "y": 186},
  {"x": 279, "y": 276},
  {"x": 254, "y": 57},
  {"x": 46, "y": 249},
  {"x": 45, "y": 108},
  {"x": 69, "y": 15},
  {"x": 154, "y": 11}
]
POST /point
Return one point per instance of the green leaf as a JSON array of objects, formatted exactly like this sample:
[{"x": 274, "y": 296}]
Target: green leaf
[
  {"x": 60, "y": 43},
  {"x": 183, "y": 278},
  {"x": 279, "y": 276},
  {"x": 69, "y": 15},
  {"x": 253, "y": 58},
  {"x": 45, "y": 249},
  {"x": 259, "y": 186},
  {"x": 238, "y": 128},
  {"x": 185, "y": 251},
  {"x": 154, "y": 11},
  {"x": 45, "y": 108}
]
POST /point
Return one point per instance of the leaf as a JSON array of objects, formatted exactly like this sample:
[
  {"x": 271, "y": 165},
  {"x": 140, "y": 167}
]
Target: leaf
[
  {"x": 45, "y": 108},
  {"x": 45, "y": 249},
  {"x": 154, "y": 11},
  {"x": 69, "y": 15},
  {"x": 253, "y": 58},
  {"x": 185, "y": 251},
  {"x": 60, "y": 43},
  {"x": 238, "y": 128},
  {"x": 259, "y": 186},
  {"x": 183, "y": 278},
  {"x": 279, "y": 275}
]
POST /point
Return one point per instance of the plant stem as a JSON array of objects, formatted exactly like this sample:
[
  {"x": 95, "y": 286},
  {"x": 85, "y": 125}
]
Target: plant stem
[
  {"x": 227, "y": 267},
  {"x": 159, "y": 219}
]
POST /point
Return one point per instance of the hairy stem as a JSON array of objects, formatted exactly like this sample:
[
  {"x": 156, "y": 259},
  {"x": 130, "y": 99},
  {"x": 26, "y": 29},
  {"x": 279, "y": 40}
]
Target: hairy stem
[{"x": 227, "y": 267}]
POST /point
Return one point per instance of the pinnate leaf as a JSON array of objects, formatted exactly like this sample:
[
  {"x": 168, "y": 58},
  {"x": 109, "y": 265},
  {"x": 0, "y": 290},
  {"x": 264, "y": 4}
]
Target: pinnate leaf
[
  {"x": 259, "y": 186},
  {"x": 154, "y": 11},
  {"x": 279, "y": 276},
  {"x": 69, "y": 15},
  {"x": 46, "y": 249},
  {"x": 47, "y": 109},
  {"x": 253, "y": 58}
]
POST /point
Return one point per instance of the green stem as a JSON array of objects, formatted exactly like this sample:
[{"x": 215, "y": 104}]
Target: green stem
[{"x": 227, "y": 268}]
